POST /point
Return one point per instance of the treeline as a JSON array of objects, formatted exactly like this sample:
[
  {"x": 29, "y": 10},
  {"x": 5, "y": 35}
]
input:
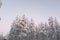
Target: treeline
[{"x": 24, "y": 29}]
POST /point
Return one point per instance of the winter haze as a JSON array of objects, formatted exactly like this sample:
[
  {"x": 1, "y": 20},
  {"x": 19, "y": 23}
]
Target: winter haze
[{"x": 39, "y": 10}]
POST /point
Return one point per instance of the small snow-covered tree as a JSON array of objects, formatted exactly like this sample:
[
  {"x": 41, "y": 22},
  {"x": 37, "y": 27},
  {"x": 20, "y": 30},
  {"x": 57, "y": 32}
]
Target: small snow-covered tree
[
  {"x": 57, "y": 28},
  {"x": 52, "y": 29},
  {"x": 41, "y": 32},
  {"x": 32, "y": 30},
  {"x": 1, "y": 36}
]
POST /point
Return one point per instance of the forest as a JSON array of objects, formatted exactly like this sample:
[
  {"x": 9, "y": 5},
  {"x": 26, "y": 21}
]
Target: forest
[{"x": 24, "y": 29}]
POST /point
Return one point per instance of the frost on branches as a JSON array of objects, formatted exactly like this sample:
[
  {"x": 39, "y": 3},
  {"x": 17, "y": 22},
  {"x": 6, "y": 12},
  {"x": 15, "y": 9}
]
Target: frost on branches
[{"x": 24, "y": 29}]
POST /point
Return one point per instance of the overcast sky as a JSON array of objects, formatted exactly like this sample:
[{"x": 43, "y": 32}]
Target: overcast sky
[{"x": 39, "y": 10}]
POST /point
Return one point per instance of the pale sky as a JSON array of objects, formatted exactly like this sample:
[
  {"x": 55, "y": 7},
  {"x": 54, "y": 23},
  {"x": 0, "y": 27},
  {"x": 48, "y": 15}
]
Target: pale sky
[{"x": 39, "y": 10}]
